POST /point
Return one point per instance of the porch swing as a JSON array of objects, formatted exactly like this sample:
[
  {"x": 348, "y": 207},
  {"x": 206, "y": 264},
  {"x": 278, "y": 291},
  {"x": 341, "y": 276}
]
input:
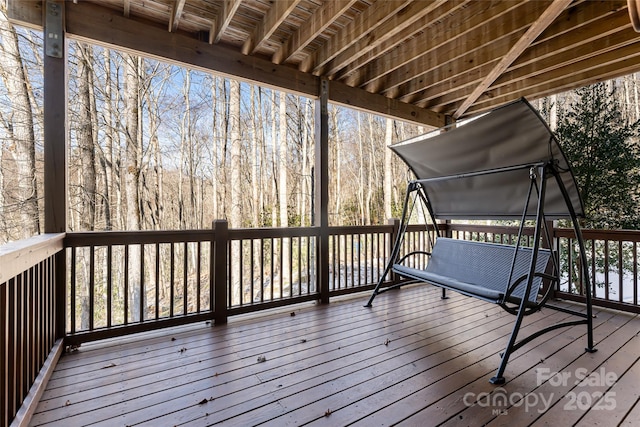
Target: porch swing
[{"x": 506, "y": 164}]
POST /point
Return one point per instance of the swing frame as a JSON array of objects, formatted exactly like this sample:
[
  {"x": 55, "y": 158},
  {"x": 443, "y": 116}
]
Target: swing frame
[{"x": 540, "y": 173}]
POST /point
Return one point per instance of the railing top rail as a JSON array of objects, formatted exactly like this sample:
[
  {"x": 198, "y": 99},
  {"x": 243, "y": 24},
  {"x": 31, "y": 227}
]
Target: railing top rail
[
  {"x": 17, "y": 257},
  {"x": 590, "y": 234},
  {"x": 106, "y": 238},
  {"x": 275, "y": 232}
]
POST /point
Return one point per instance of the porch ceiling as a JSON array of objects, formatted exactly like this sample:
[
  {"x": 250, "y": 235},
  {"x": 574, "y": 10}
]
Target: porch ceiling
[{"x": 413, "y": 59}]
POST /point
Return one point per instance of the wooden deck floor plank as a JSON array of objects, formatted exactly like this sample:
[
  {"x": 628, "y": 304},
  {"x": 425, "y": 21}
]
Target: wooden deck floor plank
[
  {"x": 283, "y": 369},
  {"x": 406, "y": 396},
  {"x": 232, "y": 346},
  {"x": 527, "y": 383},
  {"x": 442, "y": 398},
  {"x": 194, "y": 357},
  {"x": 398, "y": 352},
  {"x": 617, "y": 400},
  {"x": 113, "y": 347},
  {"x": 172, "y": 384},
  {"x": 614, "y": 334},
  {"x": 475, "y": 350},
  {"x": 379, "y": 377},
  {"x": 617, "y": 355},
  {"x": 228, "y": 335},
  {"x": 454, "y": 410},
  {"x": 438, "y": 351},
  {"x": 632, "y": 418}
]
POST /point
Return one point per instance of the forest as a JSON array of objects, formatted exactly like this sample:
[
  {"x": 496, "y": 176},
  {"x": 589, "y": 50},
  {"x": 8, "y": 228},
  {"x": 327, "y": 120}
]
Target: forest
[{"x": 153, "y": 146}]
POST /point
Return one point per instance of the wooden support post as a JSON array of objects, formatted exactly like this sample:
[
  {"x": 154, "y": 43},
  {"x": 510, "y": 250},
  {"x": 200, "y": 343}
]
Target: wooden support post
[
  {"x": 321, "y": 204},
  {"x": 219, "y": 266},
  {"x": 55, "y": 145}
]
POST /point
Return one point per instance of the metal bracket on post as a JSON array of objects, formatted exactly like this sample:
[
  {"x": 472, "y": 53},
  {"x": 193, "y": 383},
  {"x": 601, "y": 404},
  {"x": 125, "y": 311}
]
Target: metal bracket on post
[{"x": 54, "y": 27}]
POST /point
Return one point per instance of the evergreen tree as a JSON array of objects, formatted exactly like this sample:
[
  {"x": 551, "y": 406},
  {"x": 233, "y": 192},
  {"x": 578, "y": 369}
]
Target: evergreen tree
[{"x": 603, "y": 150}]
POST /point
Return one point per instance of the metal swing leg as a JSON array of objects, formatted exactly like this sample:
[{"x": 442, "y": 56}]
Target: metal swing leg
[
  {"x": 396, "y": 246},
  {"x": 499, "y": 378}
]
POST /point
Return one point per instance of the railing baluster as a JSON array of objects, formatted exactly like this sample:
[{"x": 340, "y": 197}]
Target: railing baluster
[
  {"x": 143, "y": 292},
  {"x": 273, "y": 254},
  {"x": 199, "y": 277},
  {"x": 126, "y": 284},
  {"x": 11, "y": 349},
  {"x": 606, "y": 269},
  {"x": 4, "y": 355},
  {"x": 185, "y": 279},
  {"x": 172, "y": 255},
  {"x": 635, "y": 273},
  {"x": 620, "y": 272},
  {"x": 593, "y": 267},
  {"x": 109, "y": 285},
  {"x": 73, "y": 283},
  {"x": 262, "y": 243}
]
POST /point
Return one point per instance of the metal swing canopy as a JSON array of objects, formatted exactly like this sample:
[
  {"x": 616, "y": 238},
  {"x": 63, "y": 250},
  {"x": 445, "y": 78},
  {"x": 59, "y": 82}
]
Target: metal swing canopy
[{"x": 481, "y": 169}]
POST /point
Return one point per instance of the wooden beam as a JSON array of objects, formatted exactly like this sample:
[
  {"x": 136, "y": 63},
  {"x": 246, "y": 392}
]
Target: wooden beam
[
  {"x": 26, "y": 13},
  {"x": 547, "y": 17},
  {"x": 126, "y": 8},
  {"x": 92, "y": 23},
  {"x": 319, "y": 21},
  {"x": 176, "y": 14},
  {"x": 274, "y": 17},
  {"x": 228, "y": 10},
  {"x": 362, "y": 100},
  {"x": 373, "y": 16}
]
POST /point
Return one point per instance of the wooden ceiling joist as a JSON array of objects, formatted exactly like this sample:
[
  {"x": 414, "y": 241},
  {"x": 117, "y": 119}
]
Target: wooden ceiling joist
[
  {"x": 608, "y": 33},
  {"x": 227, "y": 12},
  {"x": 176, "y": 13},
  {"x": 358, "y": 28},
  {"x": 549, "y": 15},
  {"x": 272, "y": 20},
  {"x": 480, "y": 44},
  {"x": 319, "y": 21},
  {"x": 411, "y": 14}
]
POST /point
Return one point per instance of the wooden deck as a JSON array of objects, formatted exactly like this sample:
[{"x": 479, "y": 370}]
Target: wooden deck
[{"x": 412, "y": 360}]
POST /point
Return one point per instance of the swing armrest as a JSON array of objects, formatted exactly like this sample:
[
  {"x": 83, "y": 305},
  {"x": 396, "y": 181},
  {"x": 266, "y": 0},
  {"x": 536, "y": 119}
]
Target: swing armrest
[{"x": 401, "y": 260}]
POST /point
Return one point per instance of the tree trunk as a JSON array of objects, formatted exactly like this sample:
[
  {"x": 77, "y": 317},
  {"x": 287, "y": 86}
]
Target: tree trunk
[
  {"x": 87, "y": 172},
  {"x": 235, "y": 220},
  {"x": 22, "y": 136},
  {"x": 133, "y": 151},
  {"x": 282, "y": 186},
  {"x": 337, "y": 165},
  {"x": 388, "y": 137},
  {"x": 85, "y": 139}
]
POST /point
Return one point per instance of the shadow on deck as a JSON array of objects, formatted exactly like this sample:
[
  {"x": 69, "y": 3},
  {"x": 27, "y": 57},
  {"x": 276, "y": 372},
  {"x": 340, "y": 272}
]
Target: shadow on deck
[{"x": 413, "y": 359}]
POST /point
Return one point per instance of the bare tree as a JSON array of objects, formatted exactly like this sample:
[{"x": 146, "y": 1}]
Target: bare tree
[
  {"x": 19, "y": 124},
  {"x": 388, "y": 135},
  {"x": 133, "y": 152}
]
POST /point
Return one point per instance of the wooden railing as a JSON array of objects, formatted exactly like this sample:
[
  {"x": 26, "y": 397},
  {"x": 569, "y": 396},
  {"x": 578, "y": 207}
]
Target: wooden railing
[
  {"x": 125, "y": 282},
  {"x": 118, "y": 283},
  {"x": 613, "y": 257},
  {"x": 28, "y": 310}
]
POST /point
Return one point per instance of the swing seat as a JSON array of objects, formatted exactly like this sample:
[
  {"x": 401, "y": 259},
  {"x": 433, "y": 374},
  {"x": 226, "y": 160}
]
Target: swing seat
[{"x": 481, "y": 270}]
